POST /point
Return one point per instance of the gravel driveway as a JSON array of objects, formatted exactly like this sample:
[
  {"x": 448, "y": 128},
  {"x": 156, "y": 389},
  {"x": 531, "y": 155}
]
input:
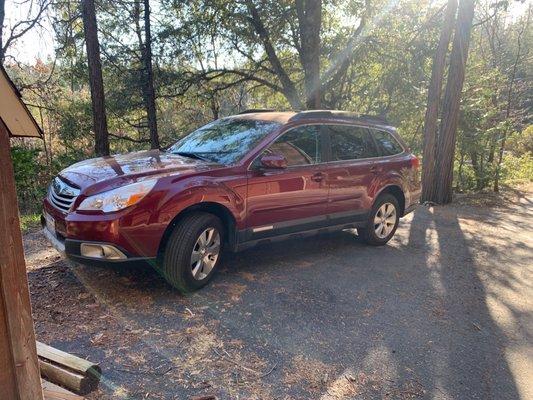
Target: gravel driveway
[{"x": 445, "y": 311}]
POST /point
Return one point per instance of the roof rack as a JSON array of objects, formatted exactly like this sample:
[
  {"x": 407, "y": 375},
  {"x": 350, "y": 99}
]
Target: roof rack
[
  {"x": 336, "y": 114},
  {"x": 256, "y": 110}
]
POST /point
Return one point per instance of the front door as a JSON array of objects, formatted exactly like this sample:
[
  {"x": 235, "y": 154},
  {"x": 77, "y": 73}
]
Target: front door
[
  {"x": 351, "y": 173},
  {"x": 292, "y": 199}
]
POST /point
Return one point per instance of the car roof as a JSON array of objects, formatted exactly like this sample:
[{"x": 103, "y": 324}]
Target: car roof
[
  {"x": 302, "y": 116},
  {"x": 274, "y": 116}
]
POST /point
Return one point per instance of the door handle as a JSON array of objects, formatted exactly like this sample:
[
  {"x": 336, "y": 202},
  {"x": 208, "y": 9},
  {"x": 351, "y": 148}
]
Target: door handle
[
  {"x": 318, "y": 177},
  {"x": 375, "y": 170}
]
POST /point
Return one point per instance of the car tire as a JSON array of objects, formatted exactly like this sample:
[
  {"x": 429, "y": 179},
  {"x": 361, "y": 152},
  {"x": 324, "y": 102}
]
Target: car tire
[
  {"x": 382, "y": 221},
  {"x": 189, "y": 259}
]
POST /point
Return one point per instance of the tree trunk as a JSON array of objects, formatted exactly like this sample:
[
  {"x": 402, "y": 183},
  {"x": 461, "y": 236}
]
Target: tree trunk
[
  {"x": 429, "y": 185},
  {"x": 215, "y": 107},
  {"x": 2, "y": 17},
  {"x": 148, "y": 81},
  {"x": 309, "y": 23},
  {"x": 451, "y": 103},
  {"x": 101, "y": 146}
]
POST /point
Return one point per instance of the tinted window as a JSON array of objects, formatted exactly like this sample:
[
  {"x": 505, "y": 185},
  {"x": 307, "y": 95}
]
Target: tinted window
[
  {"x": 388, "y": 146},
  {"x": 300, "y": 146},
  {"x": 225, "y": 140},
  {"x": 350, "y": 143}
]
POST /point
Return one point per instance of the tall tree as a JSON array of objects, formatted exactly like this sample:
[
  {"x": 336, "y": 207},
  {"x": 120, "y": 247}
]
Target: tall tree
[
  {"x": 288, "y": 87},
  {"x": 429, "y": 187},
  {"x": 147, "y": 78},
  {"x": 282, "y": 42},
  {"x": 451, "y": 102},
  {"x": 90, "y": 27},
  {"x": 309, "y": 22}
]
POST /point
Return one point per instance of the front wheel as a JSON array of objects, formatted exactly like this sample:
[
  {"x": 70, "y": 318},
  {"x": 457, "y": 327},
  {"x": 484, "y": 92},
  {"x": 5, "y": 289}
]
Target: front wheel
[
  {"x": 382, "y": 222},
  {"x": 193, "y": 251}
]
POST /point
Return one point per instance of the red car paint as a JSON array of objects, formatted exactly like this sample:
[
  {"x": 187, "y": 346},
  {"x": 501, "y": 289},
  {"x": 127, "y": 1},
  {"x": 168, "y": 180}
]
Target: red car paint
[{"x": 253, "y": 198}]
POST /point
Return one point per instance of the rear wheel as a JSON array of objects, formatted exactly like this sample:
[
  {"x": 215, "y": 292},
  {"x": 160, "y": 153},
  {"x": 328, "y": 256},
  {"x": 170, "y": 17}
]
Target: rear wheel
[
  {"x": 382, "y": 222},
  {"x": 193, "y": 251}
]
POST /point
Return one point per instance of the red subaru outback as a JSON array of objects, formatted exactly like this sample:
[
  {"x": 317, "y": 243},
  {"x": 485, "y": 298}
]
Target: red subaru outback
[{"x": 244, "y": 179}]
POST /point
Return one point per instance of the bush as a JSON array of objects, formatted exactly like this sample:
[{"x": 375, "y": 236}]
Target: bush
[
  {"x": 517, "y": 169},
  {"x": 31, "y": 175}
]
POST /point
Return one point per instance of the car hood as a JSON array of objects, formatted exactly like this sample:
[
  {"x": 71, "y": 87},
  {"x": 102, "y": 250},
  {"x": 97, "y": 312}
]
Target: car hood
[{"x": 105, "y": 173}]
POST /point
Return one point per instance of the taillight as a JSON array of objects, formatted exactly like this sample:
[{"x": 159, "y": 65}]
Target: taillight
[{"x": 415, "y": 162}]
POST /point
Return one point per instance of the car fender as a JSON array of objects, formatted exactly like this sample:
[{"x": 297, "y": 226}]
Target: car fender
[
  {"x": 389, "y": 180},
  {"x": 198, "y": 191}
]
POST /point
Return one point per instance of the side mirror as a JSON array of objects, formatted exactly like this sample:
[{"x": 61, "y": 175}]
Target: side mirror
[{"x": 274, "y": 161}]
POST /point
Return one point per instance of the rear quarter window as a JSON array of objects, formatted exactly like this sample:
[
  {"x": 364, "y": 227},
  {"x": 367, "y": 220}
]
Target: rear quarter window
[
  {"x": 350, "y": 142},
  {"x": 387, "y": 144}
]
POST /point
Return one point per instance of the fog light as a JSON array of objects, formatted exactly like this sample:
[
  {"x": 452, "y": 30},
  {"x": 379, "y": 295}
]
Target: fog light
[{"x": 104, "y": 251}]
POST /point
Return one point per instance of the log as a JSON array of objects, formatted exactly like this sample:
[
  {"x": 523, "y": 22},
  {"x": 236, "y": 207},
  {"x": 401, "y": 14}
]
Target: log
[
  {"x": 72, "y": 381},
  {"x": 54, "y": 392},
  {"x": 67, "y": 370}
]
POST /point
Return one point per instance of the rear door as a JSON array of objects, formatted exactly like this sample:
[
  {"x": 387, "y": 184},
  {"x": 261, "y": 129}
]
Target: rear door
[
  {"x": 291, "y": 199},
  {"x": 351, "y": 172}
]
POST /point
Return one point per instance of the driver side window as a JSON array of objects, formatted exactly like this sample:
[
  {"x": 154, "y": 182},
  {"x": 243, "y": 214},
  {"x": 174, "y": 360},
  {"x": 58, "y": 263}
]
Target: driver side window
[{"x": 300, "y": 146}]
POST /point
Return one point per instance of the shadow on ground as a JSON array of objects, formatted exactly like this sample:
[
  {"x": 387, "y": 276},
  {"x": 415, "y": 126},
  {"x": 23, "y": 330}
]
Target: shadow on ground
[{"x": 434, "y": 314}]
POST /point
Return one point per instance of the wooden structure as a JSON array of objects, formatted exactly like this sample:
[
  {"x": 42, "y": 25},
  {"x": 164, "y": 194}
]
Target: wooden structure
[
  {"x": 69, "y": 371},
  {"x": 19, "y": 368}
]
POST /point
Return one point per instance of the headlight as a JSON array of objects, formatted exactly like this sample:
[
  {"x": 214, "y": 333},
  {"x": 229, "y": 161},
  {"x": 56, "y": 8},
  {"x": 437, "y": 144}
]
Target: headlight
[{"x": 119, "y": 198}]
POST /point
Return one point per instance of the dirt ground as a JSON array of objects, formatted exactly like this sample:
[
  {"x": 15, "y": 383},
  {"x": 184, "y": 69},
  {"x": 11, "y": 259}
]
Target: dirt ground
[{"x": 445, "y": 311}]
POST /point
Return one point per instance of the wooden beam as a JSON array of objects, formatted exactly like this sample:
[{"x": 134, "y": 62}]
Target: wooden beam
[
  {"x": 54, "y": 392},
  {"x": 69, "y": 361},
  {"x": 71, "y": 380},
  {"x": 7, "y": 373},
  {"x": 16, "y": 330}
]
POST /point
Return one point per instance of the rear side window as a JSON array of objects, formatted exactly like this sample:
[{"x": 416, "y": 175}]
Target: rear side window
[
  {"x": 350, "y": 142},
  {"x": 300, "y": 146},
  {"x": 387, "y": 144}
]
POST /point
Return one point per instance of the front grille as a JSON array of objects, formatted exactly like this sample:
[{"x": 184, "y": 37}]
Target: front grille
[{"x": 62, "y": 195}]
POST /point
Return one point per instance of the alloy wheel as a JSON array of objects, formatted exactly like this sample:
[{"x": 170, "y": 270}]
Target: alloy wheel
[
  {"x": 205, "y": 253},
  {"x": 385, "y": 220}
]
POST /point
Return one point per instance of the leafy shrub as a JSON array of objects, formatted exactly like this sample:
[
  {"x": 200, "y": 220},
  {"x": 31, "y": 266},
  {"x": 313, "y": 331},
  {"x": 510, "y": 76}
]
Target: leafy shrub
[
  {"x": 517, "y": 169},
  {"x": 31, "y": 173}
]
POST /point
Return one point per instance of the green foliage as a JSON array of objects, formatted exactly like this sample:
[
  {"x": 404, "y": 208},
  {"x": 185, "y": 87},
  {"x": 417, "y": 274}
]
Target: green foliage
[
  {"x": 29, "y": 180},
  {"x": 521, "y": 143},
  {"x": 517, "y": 169},
  {"x": 30, "y": 222}
]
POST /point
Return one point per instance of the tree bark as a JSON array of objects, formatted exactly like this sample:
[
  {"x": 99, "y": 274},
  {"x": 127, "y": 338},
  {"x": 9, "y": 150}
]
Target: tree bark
[
  {"x": 429, "y": 186},
  {"x": 2, "y": 17},
  {"x": 451, "y": 103},
  {"x": 101, "y": 135},
  {"x": 309, "y": 23},
  {"x": 148, "y": 81}
]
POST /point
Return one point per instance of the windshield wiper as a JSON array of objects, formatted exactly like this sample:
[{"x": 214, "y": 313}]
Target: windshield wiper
[{"x": 191, "y": 155}]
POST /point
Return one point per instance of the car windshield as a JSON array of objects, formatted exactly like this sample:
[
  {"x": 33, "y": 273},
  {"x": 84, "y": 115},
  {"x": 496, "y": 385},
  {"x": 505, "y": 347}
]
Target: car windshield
[{"x": 224, "y": 141}]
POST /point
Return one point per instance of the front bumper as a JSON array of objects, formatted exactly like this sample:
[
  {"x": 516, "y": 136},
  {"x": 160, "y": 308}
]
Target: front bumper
[
  {"x": 134, "y": 231},
  {"x": 86, "y": 251}
]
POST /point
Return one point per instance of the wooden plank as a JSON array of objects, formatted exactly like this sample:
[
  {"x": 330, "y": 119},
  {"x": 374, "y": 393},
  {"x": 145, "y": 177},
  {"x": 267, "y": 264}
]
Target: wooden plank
[
  {"x": 7, "y": 371},
  {"x": 54, "y": 392},
  {"x": 14, "y": 284},
  {"x": 70, "y": 380},
  {"x": 76, "y": 364},
  {"x": 14, "y": 112}
]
